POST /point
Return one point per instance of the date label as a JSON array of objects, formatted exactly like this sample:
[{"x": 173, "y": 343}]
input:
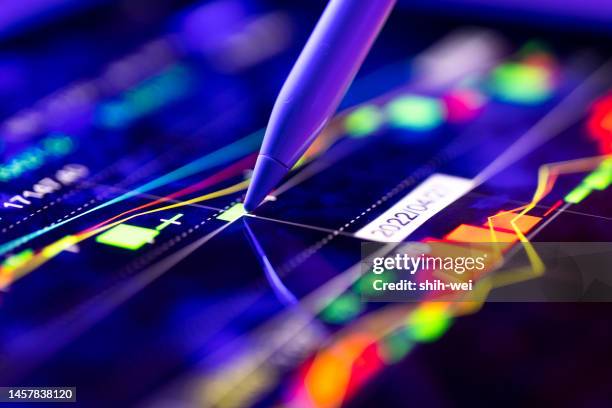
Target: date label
[{"x": 430, "y": 197}]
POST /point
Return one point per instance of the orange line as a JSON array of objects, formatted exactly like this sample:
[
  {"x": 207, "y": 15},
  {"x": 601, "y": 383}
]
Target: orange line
[{"x": 224, "y": 174}]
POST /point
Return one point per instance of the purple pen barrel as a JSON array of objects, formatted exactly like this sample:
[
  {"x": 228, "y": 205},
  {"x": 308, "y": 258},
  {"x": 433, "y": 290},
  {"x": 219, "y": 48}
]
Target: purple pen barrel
[{"x": 315, "y": 87}]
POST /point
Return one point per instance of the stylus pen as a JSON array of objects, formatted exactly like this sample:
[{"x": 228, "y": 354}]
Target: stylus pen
[{"x": 314, "y": 88}]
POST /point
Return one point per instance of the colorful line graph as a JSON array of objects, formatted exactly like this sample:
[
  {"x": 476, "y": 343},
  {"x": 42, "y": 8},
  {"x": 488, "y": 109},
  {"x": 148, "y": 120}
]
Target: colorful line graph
[
  {"x": 50, "y": 251},
  {"x": 221, "y": 156},
  {"x": 380, "y": 338}
]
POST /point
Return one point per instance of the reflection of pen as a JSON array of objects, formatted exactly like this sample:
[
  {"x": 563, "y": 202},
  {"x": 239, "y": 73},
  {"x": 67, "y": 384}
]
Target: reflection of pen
[{"x": 315, "y": 86}]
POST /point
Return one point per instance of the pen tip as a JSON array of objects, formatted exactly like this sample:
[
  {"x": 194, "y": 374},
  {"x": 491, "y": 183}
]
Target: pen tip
[
  {"x": 268, "y": 172},
  {"x": 250, "y": 204}
]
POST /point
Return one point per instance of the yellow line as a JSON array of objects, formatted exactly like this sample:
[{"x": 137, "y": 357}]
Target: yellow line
[
  {"x": 54, "y": 249},
  {"x": 547, "y": 175},
  {"x": 219, "y": 193}
]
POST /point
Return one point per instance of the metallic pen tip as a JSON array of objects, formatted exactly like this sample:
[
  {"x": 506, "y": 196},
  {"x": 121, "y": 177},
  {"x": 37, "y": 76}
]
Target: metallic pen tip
[{"x": 268, "y": 172}]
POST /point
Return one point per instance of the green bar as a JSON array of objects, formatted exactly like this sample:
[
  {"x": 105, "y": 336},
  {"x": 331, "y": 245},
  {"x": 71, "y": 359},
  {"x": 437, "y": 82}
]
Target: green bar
[
  {"x": 606, "y": 165},
  {"x": 598, "y": 180},
  {"x": 342, "y": 309},
  {"x": 521, "y": 83},
  {"x": 127, "y": 236},
  {"x": 233, "y": 213},
  {"x": 417, "y": 113},
  {"x": 427, "y": 324},
  {"x": 363, "y": 121},
  {"x": 578, "y": 194}
]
